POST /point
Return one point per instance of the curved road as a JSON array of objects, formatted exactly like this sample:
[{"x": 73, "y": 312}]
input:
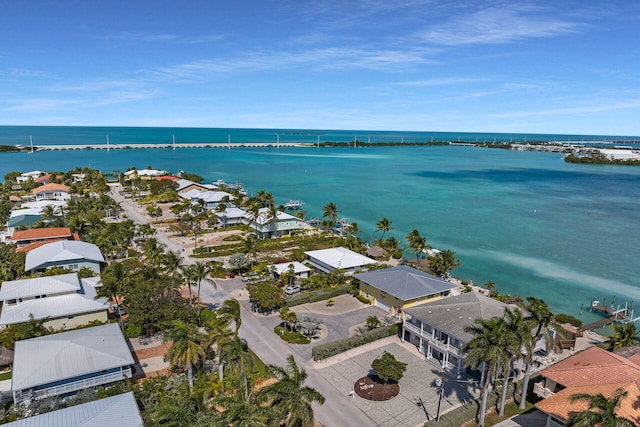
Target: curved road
[{"x": 338, "y": 410}]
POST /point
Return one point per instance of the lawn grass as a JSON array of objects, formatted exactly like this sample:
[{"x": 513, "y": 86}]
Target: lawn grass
[
  {"x": 5, "y": 376},
  {"x": 510, "y": 410}
]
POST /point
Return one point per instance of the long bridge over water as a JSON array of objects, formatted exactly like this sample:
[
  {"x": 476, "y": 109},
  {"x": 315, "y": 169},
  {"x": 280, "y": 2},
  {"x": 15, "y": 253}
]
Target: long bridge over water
[{"x": 61, "y": 147}]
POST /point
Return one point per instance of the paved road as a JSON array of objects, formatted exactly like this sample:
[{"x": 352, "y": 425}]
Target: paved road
[{"x": 338, "y": 409}]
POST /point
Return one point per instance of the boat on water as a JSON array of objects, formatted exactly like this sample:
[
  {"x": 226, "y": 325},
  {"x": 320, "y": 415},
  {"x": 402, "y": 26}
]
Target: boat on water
[{"x": 294, "y": 205}]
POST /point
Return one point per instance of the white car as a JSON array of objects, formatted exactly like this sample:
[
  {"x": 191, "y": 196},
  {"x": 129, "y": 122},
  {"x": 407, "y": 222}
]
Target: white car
[{"x": 292, "y": 289}]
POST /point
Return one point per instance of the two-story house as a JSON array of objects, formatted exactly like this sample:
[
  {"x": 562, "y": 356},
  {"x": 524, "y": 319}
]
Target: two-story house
[
  {"x": 266, "y": 225},
  {"x": 68, "y": 254}
]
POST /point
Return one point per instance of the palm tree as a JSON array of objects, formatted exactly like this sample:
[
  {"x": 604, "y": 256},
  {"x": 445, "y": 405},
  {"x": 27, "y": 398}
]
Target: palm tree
[
  {"x": 442, "y": 262},
  {"x": 601, "y": 412},
  {"x": 624, "y": 335},
  {"x": 251, "y": 246},
  {"x": 486, "y": 351},
  {"x": 240, "y": 411},
  {"x": 417, "y": 243},
  {"x": 541, "y": 316},
  {"x": 186, "y": 350},
  {"x": 234, "y": 353},
  {"x": 517, "y": 334},
  {"x": 153, "y": 251},
  {"x": 290, "y": 395},
  {"x": 330, "y": 211},
  {"x": 230, "y": 311},
  {"x": 383, "y": 225},
  {"x": 288, "y": 317}
]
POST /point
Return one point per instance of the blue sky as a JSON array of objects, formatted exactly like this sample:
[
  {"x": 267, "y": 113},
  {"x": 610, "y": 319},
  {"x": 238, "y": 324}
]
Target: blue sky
[{"x": 495, "y": 66}]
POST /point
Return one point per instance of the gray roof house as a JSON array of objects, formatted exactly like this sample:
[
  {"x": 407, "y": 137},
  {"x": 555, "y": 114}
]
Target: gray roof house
[
  {"x": 69, "y": 254},
  {"x": 401, "y": 287},
  {"x": 437, "y": 328},
  {"x": 68, "y": 362},
  {"x": 120, "y": 410},
  {"x": 65, "y": 300}
]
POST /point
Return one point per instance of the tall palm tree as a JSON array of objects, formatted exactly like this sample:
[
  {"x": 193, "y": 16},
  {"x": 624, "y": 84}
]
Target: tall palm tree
[
  {"x": 290, "y": 396},
  {"x": 242, "y": 411},
  {"x": 186, "y": 350},
  {"x": 486, "y": 351},
  {"x": 251, "y": 247},
  {"x": 153, "y": 251},
  {"x": 624, "y": 335},
  {"x": 330, "y": 211},
  {"x": 234, "y": 353},
  {"x": 444, "y": 261},
  {"x": 517, "y": 334},
  {"x": 541, "y": 316},
  {"x": 199, "y": 272},
  {"x": 601, "y": 412},
  {"x": 383, "y": 225},
  {"x": 417, "y": 243}
]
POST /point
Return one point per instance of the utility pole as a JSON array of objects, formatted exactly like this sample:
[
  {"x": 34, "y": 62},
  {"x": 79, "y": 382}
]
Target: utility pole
[{"x": 441, "y": 392}]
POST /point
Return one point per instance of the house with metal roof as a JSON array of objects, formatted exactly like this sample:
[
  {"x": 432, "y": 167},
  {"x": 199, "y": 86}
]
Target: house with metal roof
[
  {"x": 120, "y": 410},
  {"x": 437, "y": 328},
  {"x": 65, "y": 363},
  {"x": 591, "y": 371},
  {"x": 397, "y": 288},
  {"x": 65, "y": 300},
  {"x": 51, "y": 192},
  {"x": 328, "y": 260},
  {"x": 266, "y": 225},
  {"x": 68, "y": 254},
  {"x": 297, "y": 268}
]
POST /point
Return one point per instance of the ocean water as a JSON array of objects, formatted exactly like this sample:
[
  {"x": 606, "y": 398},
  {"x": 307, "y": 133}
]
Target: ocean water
[{"x": 530, "y": 222}]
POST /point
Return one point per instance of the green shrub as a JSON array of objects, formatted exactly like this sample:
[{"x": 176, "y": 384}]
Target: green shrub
[
  {"x": 315, "y": 296},
  {"x": 363, "y": 299},
  {"x": 292, "y": 337},
  {"x": 567, "y": 318},
  {"x": 323, "y": 351},
  {"x": 132, "y": 330}
]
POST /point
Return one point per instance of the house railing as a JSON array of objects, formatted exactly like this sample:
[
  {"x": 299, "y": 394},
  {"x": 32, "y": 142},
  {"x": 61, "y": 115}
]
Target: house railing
[
  {"x": 541, "y": 391},
  {"x": 29, "y": 395},
  {"x": 440, "y": 345}
]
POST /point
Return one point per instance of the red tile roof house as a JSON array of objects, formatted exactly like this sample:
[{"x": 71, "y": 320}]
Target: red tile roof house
[
  {"x": 27, "y": 240},
  {"x": 51, "y": 192},
  {"x": 591, "y": 371}
]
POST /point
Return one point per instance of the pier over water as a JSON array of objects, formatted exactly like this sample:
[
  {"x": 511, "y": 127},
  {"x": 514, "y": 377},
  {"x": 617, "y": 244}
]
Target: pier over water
[{"x": 60, "y": 147}]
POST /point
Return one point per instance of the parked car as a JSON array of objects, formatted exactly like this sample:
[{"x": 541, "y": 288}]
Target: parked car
[{"x": 292, "y": 289}]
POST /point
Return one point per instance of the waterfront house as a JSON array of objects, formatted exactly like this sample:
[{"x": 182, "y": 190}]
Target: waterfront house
[
  {"x": 67, "y": 362},
  {"x": 211, "y": 199},
  {"x": 120, "y": 410},
  {"x": 68, "y": 254},
  {"x": 591, "y": 371},
  {"x": 266, "y": 226},
  {"x": 231, "y": 216},
  {"x": 328, "y": 260},
  {"x": 51, "y": 192},
  {"x": 146, "y": 174},
  {"x": 298, "y": 269},
  {"x": 398, "y": 288},
  {"x": 437, "y": 327},
  {"x": 187, "y": 186},
  {"x": 28, "y": 176},
  {"x": 65, "y": 300}
]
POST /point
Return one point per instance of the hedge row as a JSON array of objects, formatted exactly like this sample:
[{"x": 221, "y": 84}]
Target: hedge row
[
  {"x": 323, "y": 351},
  {"x": 317, "y": 295}
]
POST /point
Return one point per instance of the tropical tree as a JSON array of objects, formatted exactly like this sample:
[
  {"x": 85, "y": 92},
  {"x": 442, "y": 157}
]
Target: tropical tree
[
  {"x": 251, "y": 247},
  {"x": 230, "y": 312},
  {"x": 186, "y": 350},
  {"x": 388, "y": 368},
  {"x": 624, "y": 335},
  {"x": 417, "y": 243},
  {"x": 153, "y": 251},
  {"x": 234, "y": 353},
  {"x": 517, "y": 334},
  {"x": 308, "y": 326},
  {"x": 541, "y": 316},
  {"x": 486, "y": 351},
  {"x": 442, "y": 262},
  {"x": 372, "y": 322},
  {"x": 601, "y": 411},
  {"x": 383, "y": 225},
  {"x": 290, "y": 396},
  {"x": 288, "y": 317},
  {"x": 330, "y": 212}
]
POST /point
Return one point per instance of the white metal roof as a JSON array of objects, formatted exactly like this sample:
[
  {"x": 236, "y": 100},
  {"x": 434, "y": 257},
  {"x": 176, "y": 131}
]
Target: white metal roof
[
  {"x": 40, "y": 204},
  {"x": 25, "y": 288},
  {"x": 340, "y": 257},
  {"x": 62, "y": 251},
  {"x": 120, "y": 411},
  {"x": 54, "y": 307},
  {"x": 211, "y": 196},
  {"x": 284, "y": 267},
  {"x": 67, "y": 355},
  {"x": 264, "y": 217}
]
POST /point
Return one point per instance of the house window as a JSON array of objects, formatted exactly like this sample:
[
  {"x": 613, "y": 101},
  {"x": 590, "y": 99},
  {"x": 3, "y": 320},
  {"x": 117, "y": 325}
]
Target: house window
[
  {"x": 73, "y": 267},
  {"x": 12, "y": 301}
]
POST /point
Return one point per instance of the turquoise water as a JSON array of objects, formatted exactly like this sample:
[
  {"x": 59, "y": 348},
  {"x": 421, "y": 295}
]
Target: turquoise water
[{"x": 528, "y": 221}]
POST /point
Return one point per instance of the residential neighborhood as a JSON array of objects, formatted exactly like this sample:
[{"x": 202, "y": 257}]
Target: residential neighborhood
[{"x": 170, "y": 264}]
